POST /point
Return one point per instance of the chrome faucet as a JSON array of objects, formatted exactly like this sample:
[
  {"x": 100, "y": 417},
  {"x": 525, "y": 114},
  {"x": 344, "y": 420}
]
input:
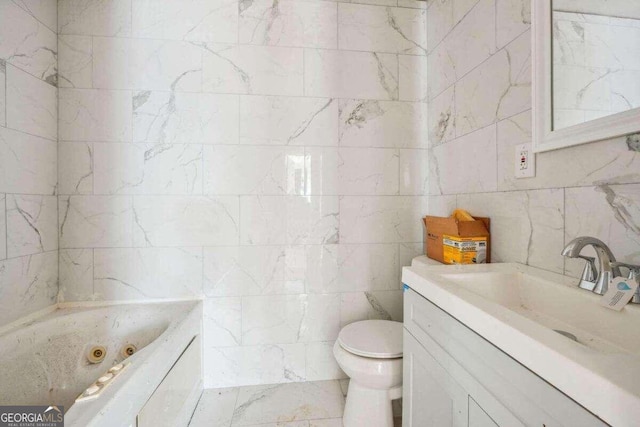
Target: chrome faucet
[{"x": 595, "y": 280}]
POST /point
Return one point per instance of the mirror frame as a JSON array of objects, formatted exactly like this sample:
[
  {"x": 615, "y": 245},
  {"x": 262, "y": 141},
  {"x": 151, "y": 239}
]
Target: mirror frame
[{"x": 544, "y": 137}]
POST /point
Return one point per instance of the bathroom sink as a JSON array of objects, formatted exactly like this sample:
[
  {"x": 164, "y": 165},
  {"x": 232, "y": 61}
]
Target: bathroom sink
[
  {"x": 544, "y": 321},
  {"x": 555, "y": 305}
]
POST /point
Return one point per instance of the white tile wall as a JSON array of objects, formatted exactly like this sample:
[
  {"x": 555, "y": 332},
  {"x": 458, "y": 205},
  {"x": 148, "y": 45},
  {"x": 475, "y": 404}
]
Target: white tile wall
[
  {"x": 28, "y": 283},
  {"x": 76, "y": 274},
  {"x": 384, "y": 124},
  {"x": 607, "y": 212},
  {"x": 248, "y": 169},
  {"x": 95, "y": 18},
  {"x": 185, "y": 118},
  {"x": 513, "y": 17},
  {"x": 290, "y": 318},
  {"x": 28, "y": 158},
  {"x": 76, "y": 61},
  {"x": 355, "y": 306},
  {"x": 144, "y": 273},
  {"x": 43, "y": 11},
  {"x": 95, "y": 221},
  {"x": 247, "y": 270},
  {"x": 3, "y": 228},
  {"x": 75, "y": 167},
  {"x": 246, "y": 69},
  {"x": 270, "y": 158},
  {"x": 354, "y": 171},
  {"x": 439, "y": 22},
  {"x": 382, "y": 29},
  {"x": 94, "y": 115},
  {"x": 466, "y": 164},
  {"x": 348, "y": 74},
  {"x": 349, "y": 268},
  {"x": 3, "y": 93},
  {"x": 442, "y": 117},
  {"x": 263, "y": 220},
  {"x": 312, "y": 220},
  {"x": 31, "y": 104},
  {"x": 28, "y": 44},
  {"x": 320, "y": 362},
  {"x": 146, "y": 64},
  {"x": 279, "y": 120},
  {"x": 289, "y": 23},
  {"x": 384, "y": 219},
  {"x": 413, "y": 78},
  {"x": 31, "y": 224},
  {"x": 199, "y": 20},
  {"x": 469, "y": 43},
  {"x": 414, "y": 171},
  {"x": 223, "y": 321},
  {"x": 27, "y": 163},
  {"x": 147, "y": 169},
  {"x": 497, "y": 89},
  {"x": 526, "y": 226},
  {"x": 185, "y": 221},
  {"x": 479, "y": 109}
]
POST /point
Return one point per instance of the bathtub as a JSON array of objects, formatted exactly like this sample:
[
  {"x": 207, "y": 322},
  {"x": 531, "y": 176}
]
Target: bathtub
[{"x": 44, "y": 361}]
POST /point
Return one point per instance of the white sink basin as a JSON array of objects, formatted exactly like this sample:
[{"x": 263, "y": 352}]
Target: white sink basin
[
  {"x": 557, "y": 306},
  {"x": 520, "y": 308}
]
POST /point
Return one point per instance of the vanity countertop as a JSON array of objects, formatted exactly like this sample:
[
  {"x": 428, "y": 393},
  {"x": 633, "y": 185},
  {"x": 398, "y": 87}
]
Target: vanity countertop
[{"x": 517, "y": 308}]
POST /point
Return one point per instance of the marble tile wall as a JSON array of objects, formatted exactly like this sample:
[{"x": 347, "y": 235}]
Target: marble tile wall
[
  {"x": 479, "y": 81},
  {"x": 267, "y": 155},
  {"x": 28, "y": 158}
]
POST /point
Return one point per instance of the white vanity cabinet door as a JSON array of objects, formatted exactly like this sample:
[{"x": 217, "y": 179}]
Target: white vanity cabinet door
[
  {"x": 431, "y": 398},
  {"x": 477, "y": 416}
]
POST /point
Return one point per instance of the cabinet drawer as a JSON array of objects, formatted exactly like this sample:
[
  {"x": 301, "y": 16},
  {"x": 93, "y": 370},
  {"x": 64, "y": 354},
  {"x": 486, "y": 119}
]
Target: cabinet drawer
[{"x": 490, "y": 376}]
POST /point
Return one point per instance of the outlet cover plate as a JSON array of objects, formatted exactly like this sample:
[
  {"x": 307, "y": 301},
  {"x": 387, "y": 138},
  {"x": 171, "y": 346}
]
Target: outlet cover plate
[{"x": 524, "y": 161}]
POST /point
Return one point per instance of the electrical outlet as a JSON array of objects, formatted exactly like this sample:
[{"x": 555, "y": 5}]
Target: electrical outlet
[{"x": 525, "y": 161}]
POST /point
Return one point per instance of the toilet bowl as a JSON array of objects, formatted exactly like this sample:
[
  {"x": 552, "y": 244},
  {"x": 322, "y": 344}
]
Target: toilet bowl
[{"x": 370, "y": 353}]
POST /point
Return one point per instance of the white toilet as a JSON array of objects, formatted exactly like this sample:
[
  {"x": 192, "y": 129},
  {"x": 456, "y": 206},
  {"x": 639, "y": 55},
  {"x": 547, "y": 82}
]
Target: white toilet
[{"x": 370, "y": 353}]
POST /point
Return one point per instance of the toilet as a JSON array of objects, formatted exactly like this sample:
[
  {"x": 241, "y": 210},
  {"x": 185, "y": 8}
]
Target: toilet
[{"x": 370, "y": 353}]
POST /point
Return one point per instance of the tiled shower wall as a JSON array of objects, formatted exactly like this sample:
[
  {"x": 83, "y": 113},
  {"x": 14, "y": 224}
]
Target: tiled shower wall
[
  {"x": 480, "y": 108},
  {"x": 28, "y": 155},
  {"x": 269, "y": 155}
]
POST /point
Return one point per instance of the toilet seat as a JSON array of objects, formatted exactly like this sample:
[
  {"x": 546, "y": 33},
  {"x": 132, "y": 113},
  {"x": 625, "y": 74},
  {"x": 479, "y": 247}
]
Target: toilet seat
[{"x": 376, "y": 339}]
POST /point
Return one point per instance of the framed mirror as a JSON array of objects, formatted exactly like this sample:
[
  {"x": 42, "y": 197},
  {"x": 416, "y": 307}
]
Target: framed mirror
[{"x": 586, "y": 73}]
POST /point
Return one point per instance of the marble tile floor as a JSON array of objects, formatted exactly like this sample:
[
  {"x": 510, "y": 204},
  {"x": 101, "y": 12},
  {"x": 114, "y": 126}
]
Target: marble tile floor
[{"x": 304, "y": 404}]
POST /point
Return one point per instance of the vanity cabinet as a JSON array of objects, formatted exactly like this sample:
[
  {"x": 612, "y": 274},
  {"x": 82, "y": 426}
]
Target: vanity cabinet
[{"x": 454, "y": 377}]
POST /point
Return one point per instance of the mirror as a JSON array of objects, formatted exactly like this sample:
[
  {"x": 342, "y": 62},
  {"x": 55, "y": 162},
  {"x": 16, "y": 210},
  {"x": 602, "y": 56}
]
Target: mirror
[
  {"x": 596, "y": 59},
  {"x": 587, "y": 71}
]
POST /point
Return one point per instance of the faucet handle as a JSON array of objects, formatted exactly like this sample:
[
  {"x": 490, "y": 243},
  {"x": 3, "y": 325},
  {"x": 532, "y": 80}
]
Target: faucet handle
[
  {"x": 633, "y": 269},
  {"x": 589, "y": 274}
]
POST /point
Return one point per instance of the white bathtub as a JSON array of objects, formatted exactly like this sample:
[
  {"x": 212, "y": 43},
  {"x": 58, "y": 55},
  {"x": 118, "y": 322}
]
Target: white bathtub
[{"x": 44, "y": 361}]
